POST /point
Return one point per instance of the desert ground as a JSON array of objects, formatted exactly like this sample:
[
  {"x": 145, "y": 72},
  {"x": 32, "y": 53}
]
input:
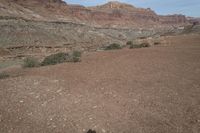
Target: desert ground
[{"x": 146, "y": 90}]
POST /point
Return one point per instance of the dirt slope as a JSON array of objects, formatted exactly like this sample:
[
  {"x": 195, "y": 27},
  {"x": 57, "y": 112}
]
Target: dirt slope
[{"x": 149, "y": 90}]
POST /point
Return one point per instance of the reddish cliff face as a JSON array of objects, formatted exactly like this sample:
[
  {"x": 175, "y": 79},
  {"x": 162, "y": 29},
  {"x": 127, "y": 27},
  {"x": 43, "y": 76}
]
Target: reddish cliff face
[
  {"x": 194, "y": 21},
  {"x": 37, "y": 1},
  {"x": 114, "y": 5},
  {"x": 173, "y": 19},
  {"x": 123, "y": 14},
  {"x": 110, "y": 14}
]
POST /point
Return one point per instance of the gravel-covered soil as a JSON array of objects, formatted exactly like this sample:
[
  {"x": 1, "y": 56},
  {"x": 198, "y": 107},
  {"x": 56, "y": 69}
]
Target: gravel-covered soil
[{"x": 147, "y": 90}]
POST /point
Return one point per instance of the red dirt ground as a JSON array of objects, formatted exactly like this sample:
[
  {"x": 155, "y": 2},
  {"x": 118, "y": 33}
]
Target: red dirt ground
[{"x": 148, "y": 90}]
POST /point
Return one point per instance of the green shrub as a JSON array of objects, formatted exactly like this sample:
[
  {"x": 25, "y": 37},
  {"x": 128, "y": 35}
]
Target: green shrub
[
  {"x": 113, "y": 46},
  {"x": 142, "y": 37},
  {"x": 4, "y": 75},
  {"x": 157, "y": 43},
  {"x": 30, "y": 62},
  {"x": 129, "y": 43},
  {"x": 146, "y": 44},
  {"x": 54, "y": 59},
  {"x": 135, "y": 46},
  {"x": 139, "y": 45},
  {"x": 75, "y": 56}
]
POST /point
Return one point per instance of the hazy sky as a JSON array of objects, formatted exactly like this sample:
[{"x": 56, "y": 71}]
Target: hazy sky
[{"x": 187, "y": 7}]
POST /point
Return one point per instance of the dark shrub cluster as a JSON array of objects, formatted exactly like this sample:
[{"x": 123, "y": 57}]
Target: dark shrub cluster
[
  {"x": 146, "y": 44},
  {"x": 75, "y": 56},
  {"x": 135, "y": 46},
  {"x": 54, "y": 59},
  {"x": 157, "y": 43},
  {"x": 132, "y": 46},
  {"x": 113, "y": 46},
  {"x": 4, "y": 75},
  {"x": 142, "y": 37},
  {"x": 129, "y": 43}
]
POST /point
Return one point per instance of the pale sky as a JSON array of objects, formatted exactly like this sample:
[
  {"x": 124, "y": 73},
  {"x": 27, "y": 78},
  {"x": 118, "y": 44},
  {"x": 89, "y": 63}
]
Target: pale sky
[{"x": 163, "y": 7}]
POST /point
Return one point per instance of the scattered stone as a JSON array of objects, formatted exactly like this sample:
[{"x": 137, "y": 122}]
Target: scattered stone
[
  {"x": 94, "y": 107},
  {"x": 36, "y": 83},
  {"x": 103, "y": 130},
  {"x": 58, "y": 91}
]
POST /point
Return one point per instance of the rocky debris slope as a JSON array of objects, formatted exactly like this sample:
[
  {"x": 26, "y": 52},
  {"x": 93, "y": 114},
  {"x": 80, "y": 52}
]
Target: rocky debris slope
[{"x": 21, "y": 36}]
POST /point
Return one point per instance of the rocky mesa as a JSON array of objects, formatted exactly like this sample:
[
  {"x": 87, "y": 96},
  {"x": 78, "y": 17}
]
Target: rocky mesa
[{"x": 111, "y": 14}]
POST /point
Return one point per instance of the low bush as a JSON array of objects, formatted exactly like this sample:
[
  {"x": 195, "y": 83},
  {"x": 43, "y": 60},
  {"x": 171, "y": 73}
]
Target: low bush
[
  {"x": 142, "y": 37},
  {"x": 132, "y": 46},
  {"x": 146, "y": 44},
  {"x": 113, "y": 46},
  {"x": 157, "y": 43},
  {"x": 75, "y": 56},
  {"x": 31, "y": 62},
  {"x": 4, "y": 75},
  {"x": 135, "y": 46},
  {"x": 54, "y": 59},
  {"x": 129, "y": 43}
]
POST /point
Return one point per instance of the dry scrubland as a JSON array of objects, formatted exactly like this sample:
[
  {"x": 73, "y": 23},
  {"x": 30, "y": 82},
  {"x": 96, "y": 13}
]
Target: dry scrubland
[
  {"x": 125, "y": 70},
  {"x": 147, "y": 90}
]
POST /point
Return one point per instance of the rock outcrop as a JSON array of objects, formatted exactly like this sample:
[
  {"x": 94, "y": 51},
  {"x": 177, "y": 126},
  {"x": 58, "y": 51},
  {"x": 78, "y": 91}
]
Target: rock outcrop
[{"x": 173, "y": 19}]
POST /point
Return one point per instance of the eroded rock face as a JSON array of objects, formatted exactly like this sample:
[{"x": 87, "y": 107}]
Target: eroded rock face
[
  {"x": 194, "y": 21},
  {"x": 111, "y": 14},
  {"x": 123, "y": 14},
  {"x": 173, "y": 19}
]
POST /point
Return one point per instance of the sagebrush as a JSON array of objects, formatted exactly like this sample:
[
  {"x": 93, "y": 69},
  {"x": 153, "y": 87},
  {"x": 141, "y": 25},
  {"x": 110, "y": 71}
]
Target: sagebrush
[
  {"x": 113, "y": 46},
  {"x": 31, "y": 62},
  {"x": 132, "y": 46},
  {"x": 54, "y": 59},
  {"x": 129, "y": 43},
  {"x": 58, "y": 58},
  {"x": 4, "y": 75}
]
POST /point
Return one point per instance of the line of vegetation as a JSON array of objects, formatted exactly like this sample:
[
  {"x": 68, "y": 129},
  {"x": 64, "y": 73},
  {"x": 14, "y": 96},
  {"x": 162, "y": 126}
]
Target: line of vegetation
[
  {"x": 74, "y": 56},
  {"x": 53, "y": 59}
]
